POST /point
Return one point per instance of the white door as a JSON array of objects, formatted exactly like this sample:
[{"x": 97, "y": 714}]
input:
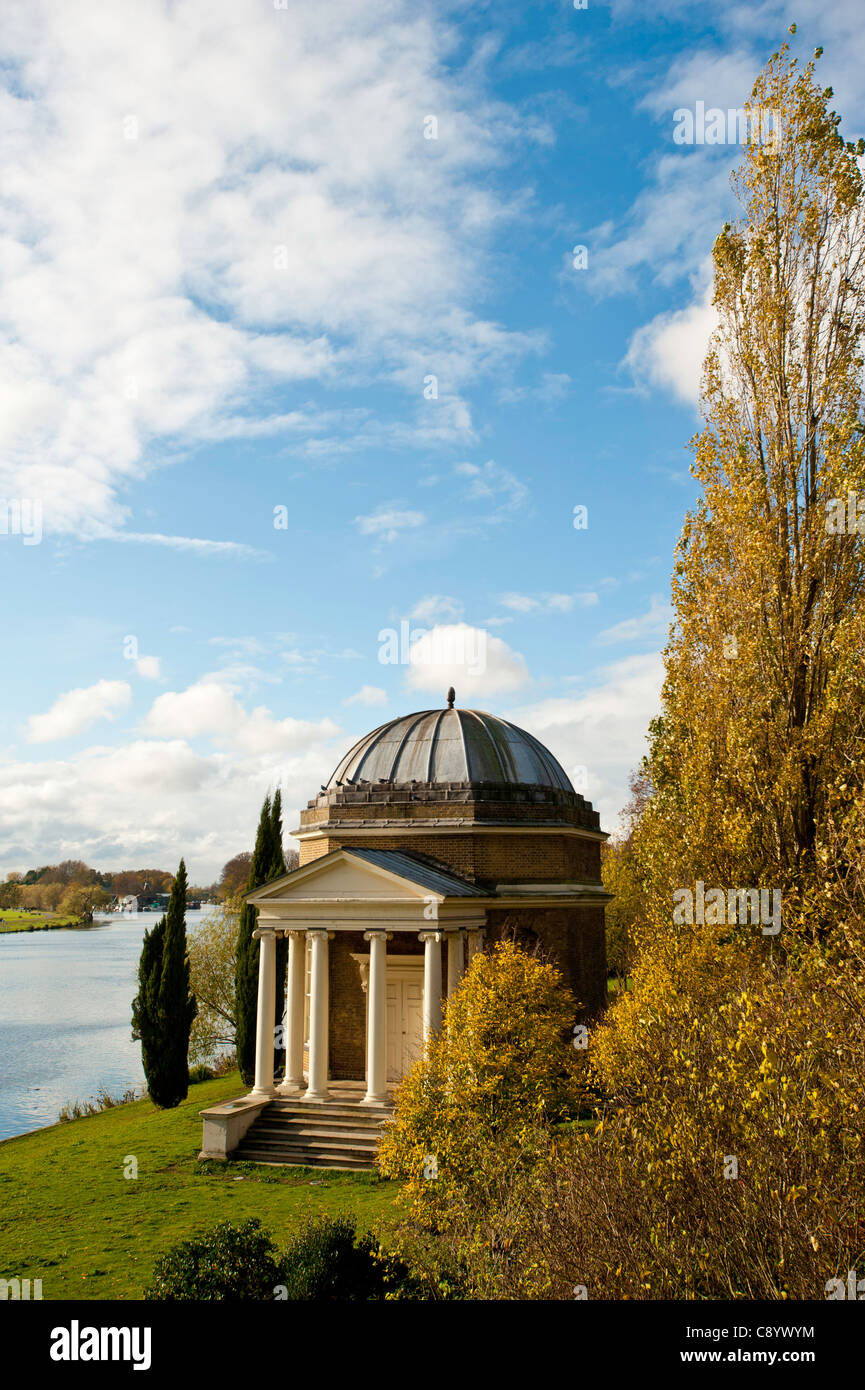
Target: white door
[{"x": 404, "y": 1024}]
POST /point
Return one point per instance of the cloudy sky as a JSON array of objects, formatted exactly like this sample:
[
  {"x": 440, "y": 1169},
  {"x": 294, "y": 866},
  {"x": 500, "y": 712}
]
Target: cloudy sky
[{"x": 294, "y": 351}]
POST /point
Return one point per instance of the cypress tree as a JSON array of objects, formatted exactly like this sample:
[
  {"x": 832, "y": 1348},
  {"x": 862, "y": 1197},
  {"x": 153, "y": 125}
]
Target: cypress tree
[
  {"x": 277, "y": 869},
  {"x": 145, "y": 1005},
  {"x": 246, "y": 967},
  {"x": 164, "y": 1008},
  {"x": 176, "y": 1002}
]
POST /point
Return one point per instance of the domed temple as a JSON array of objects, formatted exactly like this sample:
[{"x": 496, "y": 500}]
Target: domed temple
[{"x": 438, "y": 833}]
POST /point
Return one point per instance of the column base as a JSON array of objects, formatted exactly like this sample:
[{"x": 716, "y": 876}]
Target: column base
[
  {"x": 374, "y": 1100},
  {"x": 258, "y": 1092},
  {"x": 290, "y": 1088},
  {"x": 316, "y": 1097}
]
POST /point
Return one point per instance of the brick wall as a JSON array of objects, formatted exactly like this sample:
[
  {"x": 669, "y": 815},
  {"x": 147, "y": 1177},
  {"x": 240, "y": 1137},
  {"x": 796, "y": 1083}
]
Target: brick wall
[
  {"x": 575, "y": 940},
  {"x": 505, "y": 858},
  {"x": 347, "y": 1008}
]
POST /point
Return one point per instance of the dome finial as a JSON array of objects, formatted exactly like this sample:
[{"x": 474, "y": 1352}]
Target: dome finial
[{"x": 452, "y": 695}]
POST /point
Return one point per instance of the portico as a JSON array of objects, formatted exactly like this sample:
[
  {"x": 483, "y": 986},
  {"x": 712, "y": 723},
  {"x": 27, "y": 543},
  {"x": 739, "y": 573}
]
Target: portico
[{"x": 381, "y": 896}]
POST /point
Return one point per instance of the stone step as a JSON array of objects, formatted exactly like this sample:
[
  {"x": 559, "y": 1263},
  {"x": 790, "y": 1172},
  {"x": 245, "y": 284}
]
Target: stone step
[
  {"x": 324, "y": 1148},
  {"x": 362, "y": 1113},
  {"x": 324, "y": 1136},
  {"x": 315, "y": 1136},
  {"x": 303, "y": 1160},
  {"x": 299, "y": 1153},
  {"x": 322, "y": 1121}
]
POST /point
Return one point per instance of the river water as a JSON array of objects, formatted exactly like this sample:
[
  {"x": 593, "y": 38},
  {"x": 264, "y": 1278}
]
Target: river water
[{"x": 65, "y": 1016}]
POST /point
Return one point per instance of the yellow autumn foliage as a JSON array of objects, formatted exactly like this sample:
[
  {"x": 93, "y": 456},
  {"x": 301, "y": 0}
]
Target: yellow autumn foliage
[{"x": 483, "y": 1098}]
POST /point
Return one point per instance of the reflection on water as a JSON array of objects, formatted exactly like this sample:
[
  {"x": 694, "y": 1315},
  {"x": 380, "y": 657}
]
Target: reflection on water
[{"x": 65, "y": 1016}]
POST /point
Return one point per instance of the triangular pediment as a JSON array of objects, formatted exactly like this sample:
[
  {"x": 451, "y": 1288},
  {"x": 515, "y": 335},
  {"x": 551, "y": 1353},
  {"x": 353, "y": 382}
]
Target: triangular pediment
[{"x": 342, "y": 876}]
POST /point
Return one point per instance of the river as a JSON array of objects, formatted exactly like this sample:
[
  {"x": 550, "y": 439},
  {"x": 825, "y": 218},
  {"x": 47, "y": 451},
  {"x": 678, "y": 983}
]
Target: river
[{"x": 65, "y": 1016}]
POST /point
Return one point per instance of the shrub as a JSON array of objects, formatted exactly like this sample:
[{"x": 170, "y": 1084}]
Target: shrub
[
  {"x": 329, "y": 1261},
  {"x": 229, "y": 1262},
  {"x": 200, "y": 1073},
  {"x": 326, "y": 1261}
]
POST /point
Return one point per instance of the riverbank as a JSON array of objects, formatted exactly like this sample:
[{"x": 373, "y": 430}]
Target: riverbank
[
  {"x": 73, "y": 1215},
  {"x": 12, "y": 920}
]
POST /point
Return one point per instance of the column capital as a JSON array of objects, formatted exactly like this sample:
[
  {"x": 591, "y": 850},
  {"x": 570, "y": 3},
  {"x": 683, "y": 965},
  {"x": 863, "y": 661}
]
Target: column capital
[
  {"x": 426, "y": 936},
  {"x": 261, "y": 932},
  {"x": 376, "y": 932},
  {"x": 319, "y": 933}
]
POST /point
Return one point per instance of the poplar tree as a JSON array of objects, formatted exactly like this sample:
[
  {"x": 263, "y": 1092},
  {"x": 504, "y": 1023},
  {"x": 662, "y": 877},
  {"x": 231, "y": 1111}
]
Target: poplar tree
[{"x": 762, "y": 726}]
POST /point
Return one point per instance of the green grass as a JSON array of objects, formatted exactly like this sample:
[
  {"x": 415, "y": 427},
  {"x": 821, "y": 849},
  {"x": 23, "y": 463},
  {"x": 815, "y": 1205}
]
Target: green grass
[
  {"x": 70, "y": 1218},
  {"x": 12, "y": 920},
  {"x": 613, "y": 984}
]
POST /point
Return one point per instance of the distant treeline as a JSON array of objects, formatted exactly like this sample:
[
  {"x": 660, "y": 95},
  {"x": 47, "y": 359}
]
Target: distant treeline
[{"x": 75, "y": 888}]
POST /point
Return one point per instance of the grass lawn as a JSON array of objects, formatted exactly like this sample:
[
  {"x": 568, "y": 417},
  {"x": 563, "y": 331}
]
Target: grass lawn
[
  {"x": 613, "y": 984},
  {"x": 13, "y": 920},
  {"x": 70, "y": 1218}
]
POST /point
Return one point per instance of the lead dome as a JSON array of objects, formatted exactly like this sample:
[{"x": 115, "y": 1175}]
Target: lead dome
[{"x": 448, "y": 746}]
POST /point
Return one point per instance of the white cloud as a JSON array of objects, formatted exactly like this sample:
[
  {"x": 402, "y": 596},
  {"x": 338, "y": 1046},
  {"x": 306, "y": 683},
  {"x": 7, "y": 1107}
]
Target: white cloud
[
  {"x": 169, "y": 260},
  {"x": 669, "y": 351},
  {"x": 148, "y": 667},
  {"x": 188, "y": 543},
  {"x": 669, "y": 228},
  {"x": 466, "y": 657},
  {"x": 210, "y": 709},
  {"x": 387, "y": 523},
  {"x": 602, "y": 729},
  {"x": 367, "y": 695},
  {"x": 548, "y": 603},
  {"x": 711, "y": 75},
  {"x": 491, "y": 482},
  {"x": 77, "y": 710},
  {"x": 653, "y": 623},
  {"x": 434, "y": 606},
  {"x": 140, "y": 804}
]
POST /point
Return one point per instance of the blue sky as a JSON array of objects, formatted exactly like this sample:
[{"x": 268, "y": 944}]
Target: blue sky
[{"x": 230, "y": 263}]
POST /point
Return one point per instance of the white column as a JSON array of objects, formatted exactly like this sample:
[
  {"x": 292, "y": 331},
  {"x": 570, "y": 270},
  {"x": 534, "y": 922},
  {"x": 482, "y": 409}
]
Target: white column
[
  {"x": 455, "y": 959},
  {"x": 318, "y": 1021},
  {"x": 376, "y": 1020},
  {"x": 264, "y": 1017},
  {"x": 432, "y": 982},
  {"x": 295, "y": 998},
  {"x": 476, "y": 942}
]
